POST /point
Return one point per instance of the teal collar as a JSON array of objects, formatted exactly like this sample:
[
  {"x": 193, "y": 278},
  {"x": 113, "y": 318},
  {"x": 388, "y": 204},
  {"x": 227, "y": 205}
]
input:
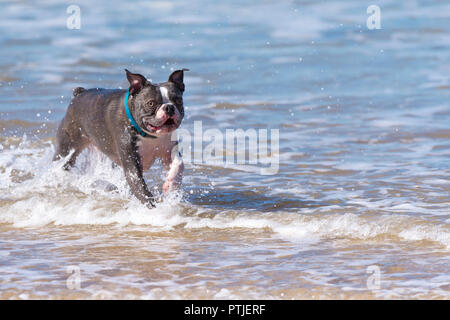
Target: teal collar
[{"x": 132, "y": 121}]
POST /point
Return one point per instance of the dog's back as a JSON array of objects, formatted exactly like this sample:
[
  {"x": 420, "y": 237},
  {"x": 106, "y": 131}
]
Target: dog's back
[{"x": 86, "y": 121}]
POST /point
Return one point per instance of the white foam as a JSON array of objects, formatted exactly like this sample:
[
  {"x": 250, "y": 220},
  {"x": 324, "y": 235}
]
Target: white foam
[
  {"x": 51, "y": 78},
  {"x": 293, "y": 190},
  {"x": 54, "y": 196},
  {"x": 357, "y": 166}
]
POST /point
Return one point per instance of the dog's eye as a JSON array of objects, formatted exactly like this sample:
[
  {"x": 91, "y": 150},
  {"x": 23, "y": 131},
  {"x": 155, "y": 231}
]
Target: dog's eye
[
  {"x": 179, "y": 101},
  {"x": 150, "y": 104}
]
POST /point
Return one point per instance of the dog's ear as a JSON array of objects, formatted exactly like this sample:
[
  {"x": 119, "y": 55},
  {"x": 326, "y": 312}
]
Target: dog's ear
[
  {"x": 177, "y": 78},
  {"x": 136, "y": 80}
]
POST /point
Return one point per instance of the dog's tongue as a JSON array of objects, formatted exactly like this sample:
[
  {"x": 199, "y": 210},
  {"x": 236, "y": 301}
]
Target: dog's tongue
[{"x": 153, "y": 128}]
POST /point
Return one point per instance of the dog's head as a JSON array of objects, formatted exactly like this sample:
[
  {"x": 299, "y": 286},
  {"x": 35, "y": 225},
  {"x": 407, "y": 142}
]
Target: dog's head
[{"x": 157, "y": 108}]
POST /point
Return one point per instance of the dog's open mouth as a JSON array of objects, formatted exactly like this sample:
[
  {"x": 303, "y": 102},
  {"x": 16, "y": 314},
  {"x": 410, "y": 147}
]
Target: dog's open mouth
[
  {"x": 169, "y": 122},
  {"x": 168, "y": 125}
]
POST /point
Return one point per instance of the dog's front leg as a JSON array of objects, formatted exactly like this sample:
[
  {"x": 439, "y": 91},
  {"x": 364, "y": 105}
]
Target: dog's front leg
[
  {"x": 174, "y": 163},
  {"x": 132, "y": 166}
]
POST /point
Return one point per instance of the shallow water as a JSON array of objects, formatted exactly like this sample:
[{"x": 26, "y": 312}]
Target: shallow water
[{"x": 363, "y": 179}]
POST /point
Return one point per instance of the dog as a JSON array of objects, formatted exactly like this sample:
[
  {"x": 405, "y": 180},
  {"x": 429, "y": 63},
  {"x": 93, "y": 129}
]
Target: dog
[{"x": 132, "y": 127}]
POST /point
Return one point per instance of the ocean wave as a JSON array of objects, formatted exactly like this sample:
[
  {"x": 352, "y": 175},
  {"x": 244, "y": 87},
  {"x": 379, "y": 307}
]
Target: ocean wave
[{"x": 37, "y": 192}]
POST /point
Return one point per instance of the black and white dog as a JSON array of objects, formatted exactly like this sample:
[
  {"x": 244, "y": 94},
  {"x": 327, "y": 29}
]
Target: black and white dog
[{"x": 132, "y": 127}]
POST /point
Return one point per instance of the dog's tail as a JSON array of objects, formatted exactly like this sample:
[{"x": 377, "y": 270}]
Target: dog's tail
[{"x": 78, "y": 90}]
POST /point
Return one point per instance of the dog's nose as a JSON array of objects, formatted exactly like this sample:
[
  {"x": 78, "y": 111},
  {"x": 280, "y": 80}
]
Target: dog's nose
[{"x": 169, "y": 109}]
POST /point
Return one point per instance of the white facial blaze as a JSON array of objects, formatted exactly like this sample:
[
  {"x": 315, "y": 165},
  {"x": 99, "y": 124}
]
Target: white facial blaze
[
  {"x": 164, "y": 94},
  {"x": 165, "y": 98}
]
